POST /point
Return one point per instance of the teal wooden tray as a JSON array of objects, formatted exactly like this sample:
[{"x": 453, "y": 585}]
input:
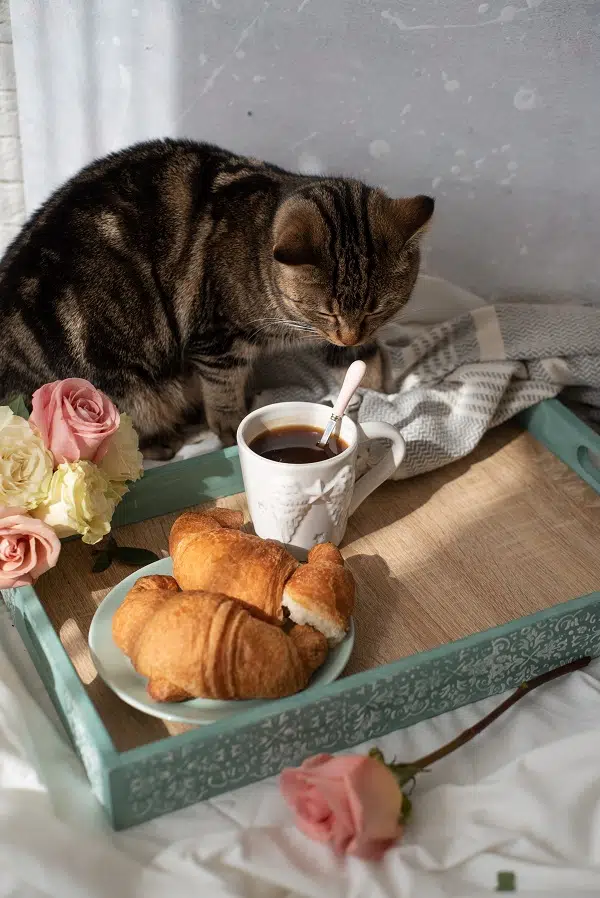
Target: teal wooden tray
[{"x": 137, "y": 785}]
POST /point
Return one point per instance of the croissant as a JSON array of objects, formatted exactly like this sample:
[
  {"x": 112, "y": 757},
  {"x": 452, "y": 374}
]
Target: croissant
[
  {"x": 202, "y": 644},
  {"x": 145, "y": 597},
  {"x": 321, "y": 593},
  {"x": 210, "y": 552}
]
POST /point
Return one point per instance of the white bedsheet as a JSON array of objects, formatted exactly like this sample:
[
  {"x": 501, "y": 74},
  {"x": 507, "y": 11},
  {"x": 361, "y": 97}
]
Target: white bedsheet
[{"x": 523, "y": 797}]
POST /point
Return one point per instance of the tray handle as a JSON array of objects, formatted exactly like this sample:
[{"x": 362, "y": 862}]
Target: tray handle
[
  {"x": 567, "y": 436},
  {"x": 589, "y": 461}
]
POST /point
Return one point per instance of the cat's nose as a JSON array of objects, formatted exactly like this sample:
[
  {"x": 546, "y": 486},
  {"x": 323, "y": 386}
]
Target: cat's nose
[{"x": 349, "y": 335}]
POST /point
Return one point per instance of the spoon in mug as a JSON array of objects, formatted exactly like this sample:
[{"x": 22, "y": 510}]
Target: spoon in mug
[{"x": 354, "y": 375}]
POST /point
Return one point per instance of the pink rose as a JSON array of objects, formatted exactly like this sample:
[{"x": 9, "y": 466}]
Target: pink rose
[
  {"x": 75, "y": 420},
  {"x": 352, "y": 802},
  {"x": 28, "y": 548}
]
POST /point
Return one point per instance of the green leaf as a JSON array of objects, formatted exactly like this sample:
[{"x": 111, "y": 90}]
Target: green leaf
[
  {"x": 406, "y": 810},
  {"x": 404, "y": 773},
  {"x": 107, "y": 544},
  {"x": 377, "y": 755},
  {"x": 102, "y": 562},
  {"x": 506, "y": 882},
  {"x": 134, "y": 557},
  {"x": 18, "y": 407}
]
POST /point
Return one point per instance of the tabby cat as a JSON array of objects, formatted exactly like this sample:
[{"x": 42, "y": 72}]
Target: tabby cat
[{"x": 159, "y": 272}]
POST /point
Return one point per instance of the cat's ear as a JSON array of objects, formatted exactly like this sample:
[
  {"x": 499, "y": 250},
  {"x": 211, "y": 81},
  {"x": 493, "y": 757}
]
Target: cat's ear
[
  {"x": 292, "y": 248},
  {"x": 413, "y": 215},
  {"x": 297, "y": 234},
  {"x": 408, "y": 217}
]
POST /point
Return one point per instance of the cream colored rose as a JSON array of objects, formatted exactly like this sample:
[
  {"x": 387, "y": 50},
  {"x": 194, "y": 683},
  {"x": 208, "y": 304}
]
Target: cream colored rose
[
  {"x": 25, "y": 463},
  {"x": 123, "y": 459},
  {"x": 81, "y": 500}
]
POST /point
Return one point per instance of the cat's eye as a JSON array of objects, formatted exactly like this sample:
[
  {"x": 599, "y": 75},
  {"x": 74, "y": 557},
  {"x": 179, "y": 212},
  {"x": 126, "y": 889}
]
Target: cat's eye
[{"x": 324, "y": 315}]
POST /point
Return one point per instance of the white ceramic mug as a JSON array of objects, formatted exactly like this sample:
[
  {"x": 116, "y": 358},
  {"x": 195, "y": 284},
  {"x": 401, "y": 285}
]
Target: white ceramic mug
[{"x": 301, "y": 505}]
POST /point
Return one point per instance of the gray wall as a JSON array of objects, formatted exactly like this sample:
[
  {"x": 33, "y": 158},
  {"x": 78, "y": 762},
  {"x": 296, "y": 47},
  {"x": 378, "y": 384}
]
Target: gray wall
[{"x": 493, "y": 108}]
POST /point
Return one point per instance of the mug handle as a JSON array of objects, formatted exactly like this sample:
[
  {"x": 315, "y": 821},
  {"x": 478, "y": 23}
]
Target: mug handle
[{"x": 378, "y": 430}]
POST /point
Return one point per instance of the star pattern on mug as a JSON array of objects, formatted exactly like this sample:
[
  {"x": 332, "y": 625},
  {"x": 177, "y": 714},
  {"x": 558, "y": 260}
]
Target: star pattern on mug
[{"x": 319, "y": 492}]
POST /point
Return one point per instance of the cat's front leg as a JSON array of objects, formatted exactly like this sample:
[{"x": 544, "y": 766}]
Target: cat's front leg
[
  {"x": 376, "y": 375},
  {"x": 224, "y": 395}
]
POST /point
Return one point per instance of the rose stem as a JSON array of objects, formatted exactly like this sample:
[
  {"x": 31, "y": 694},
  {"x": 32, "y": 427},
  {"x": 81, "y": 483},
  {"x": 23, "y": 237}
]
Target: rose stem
[{"x": 473, "y": 731}]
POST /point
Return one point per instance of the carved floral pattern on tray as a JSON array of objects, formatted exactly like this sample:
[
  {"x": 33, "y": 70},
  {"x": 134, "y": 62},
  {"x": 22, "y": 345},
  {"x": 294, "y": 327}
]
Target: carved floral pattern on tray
[{"x": 191, "y": 773}]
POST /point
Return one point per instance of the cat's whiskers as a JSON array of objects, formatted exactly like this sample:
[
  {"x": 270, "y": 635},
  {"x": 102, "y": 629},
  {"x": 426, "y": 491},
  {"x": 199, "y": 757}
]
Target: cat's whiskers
[
  {"x": 283, "y": 328},
  {"x": 289, "y": 337},
  {"x": 287, "y": 321}
]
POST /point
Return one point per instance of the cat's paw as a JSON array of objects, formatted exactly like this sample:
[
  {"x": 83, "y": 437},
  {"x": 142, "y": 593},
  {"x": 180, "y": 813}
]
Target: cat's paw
[
  {"x": 225, "y": 425},
  {"x": 161, "y": 450},
  {"x": 374, "y": 378},
  {"x": 370, "y": 354}
]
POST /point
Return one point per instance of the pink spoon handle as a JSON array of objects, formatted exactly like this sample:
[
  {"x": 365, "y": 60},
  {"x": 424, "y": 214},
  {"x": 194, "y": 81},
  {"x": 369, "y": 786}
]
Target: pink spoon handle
[{"x": 354, "y": 375}]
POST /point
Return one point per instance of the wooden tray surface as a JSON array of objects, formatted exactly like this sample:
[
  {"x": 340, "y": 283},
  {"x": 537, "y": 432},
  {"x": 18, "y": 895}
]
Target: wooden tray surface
[{"x": 504, "y": 533}]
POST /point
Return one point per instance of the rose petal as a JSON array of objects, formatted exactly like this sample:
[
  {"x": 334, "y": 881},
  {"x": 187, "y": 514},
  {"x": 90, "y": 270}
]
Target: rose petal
[
  {"x": 363, "y": 799},
  {"x": 9, "y": 583},
  {"x": 28, "y": 548},
  {"x": 314, "y": 817},
  {"x": 314, "y": 808},
  {"x": 375, "y": 801},
  {"x": 313, "y": 813},
  {"x": 316, "y": 761},
  {"x": 74, "y": 419},
  {"x": 369, "y": 850},
  {"x": 16, "y": 554},
  {"x": 292, "y": 784},
  {"x": 329, "y": 779},
  {"x": 8, "y": 548},
  {"x": 12, "y": 512},
  {"x": 317, "y": 831}
]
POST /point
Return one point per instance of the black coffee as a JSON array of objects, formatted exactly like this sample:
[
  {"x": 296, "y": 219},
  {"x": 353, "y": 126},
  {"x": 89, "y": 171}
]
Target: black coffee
[{"x": 296, "y": 445}]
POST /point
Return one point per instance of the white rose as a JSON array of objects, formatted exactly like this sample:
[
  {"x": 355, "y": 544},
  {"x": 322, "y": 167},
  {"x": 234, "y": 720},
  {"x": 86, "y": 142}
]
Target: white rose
[
  {"x": 25, "y": 463},
  {"x": 123, "y": 460},
  {"x": 81, "y": 500}
]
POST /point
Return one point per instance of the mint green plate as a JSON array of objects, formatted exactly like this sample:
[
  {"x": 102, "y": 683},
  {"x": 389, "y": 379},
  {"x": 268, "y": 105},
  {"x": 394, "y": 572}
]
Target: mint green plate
[{"x": 118, "y": 673}]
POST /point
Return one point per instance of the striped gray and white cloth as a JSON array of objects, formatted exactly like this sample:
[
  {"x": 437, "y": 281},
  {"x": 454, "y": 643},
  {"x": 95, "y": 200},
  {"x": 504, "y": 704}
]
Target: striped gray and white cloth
[{"x": 453, "y": 381}]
